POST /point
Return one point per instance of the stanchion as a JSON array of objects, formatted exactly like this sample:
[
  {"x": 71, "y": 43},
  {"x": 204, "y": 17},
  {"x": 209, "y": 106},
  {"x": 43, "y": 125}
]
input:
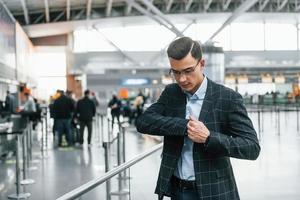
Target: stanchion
[
  {"x": 30, "y": 141},
  {"x": 98, "y": 128},
  {"x": 262, "y": 119},
  {"x": 46, "y": 132},
  {"x": 297, "y": 111},
  {"x": 18, "y": 195},
  {"x": 106, "y": 157},
  {"x": 108, "y": 129},
  {"x": 25, "y": 181},
  {"x": 44, "y": 136},
  {"x": 102, "y": 127},
  {"x": 121, "y": 193},
  {"x": 101, "y": 130},
  {"x": 258, "y": 123},
  {"x": 125, "y": 177},
  {"x": 94, "y": 129},
  {"x": 278, "y": 122},
  {"x": 18, "y": 127},
  {"x": 124, "y": 145}
]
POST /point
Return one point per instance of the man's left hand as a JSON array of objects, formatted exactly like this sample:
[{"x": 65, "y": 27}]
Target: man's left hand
[{"x": 197, "y": 131}]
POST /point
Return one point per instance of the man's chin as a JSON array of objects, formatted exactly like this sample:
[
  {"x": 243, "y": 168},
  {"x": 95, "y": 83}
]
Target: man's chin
[{"x": 186, "y": 88}]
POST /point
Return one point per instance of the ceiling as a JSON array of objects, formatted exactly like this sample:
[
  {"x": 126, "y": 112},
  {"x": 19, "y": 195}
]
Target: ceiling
[{"x": 30, "y": 12}]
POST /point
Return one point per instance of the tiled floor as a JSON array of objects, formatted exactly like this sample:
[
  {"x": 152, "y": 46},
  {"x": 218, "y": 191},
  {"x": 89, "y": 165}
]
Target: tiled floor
[{"x": 274, "y": 175}]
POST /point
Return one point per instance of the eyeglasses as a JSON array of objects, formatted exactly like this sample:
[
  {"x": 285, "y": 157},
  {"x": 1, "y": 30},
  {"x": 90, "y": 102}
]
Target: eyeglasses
[{"x": 186, "y": 72}]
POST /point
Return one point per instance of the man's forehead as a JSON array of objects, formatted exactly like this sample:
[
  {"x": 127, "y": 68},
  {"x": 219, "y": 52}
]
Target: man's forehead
[{"x": 184, "y": 63}]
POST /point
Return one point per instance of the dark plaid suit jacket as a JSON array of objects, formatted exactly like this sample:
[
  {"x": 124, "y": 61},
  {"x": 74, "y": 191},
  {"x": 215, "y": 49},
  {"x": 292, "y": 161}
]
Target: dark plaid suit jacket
[{"x": 231, "y": 135}]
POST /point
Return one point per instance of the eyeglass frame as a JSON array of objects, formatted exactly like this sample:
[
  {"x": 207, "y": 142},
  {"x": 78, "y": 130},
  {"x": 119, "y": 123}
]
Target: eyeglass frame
[{"x": 187, "y": 71}]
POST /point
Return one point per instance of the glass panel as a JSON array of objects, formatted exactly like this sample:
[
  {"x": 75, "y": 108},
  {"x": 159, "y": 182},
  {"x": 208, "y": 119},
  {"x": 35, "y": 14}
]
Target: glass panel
[
  {"x": 223, "y": 39},
  {"x": 281, "y": 37},
  {"x": 247, "y": 36}
]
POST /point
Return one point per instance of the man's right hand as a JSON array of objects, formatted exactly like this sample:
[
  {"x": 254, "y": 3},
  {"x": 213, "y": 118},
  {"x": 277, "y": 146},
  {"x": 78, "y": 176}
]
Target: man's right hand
[{"x": 197, "y": 131}]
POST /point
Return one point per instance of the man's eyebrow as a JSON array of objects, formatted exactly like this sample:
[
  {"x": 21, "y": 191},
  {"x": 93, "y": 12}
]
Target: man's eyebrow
[{"x": 187, "y": 68}]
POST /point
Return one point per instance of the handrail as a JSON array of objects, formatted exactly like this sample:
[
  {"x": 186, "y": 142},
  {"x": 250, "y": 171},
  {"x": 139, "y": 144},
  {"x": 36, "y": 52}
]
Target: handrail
[{"x": 77, "y": 192}]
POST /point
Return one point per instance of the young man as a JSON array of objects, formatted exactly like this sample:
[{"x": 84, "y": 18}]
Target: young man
[{"x": 203, "y": 124}]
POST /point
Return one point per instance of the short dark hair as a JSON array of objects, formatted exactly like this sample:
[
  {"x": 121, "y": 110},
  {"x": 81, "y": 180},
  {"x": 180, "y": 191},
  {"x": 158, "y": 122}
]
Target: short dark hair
[
  {"x": 180, "y": 47},
  {"x": 86, "y": 92}
]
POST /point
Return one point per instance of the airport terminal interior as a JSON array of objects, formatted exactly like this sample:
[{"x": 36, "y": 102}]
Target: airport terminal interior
[{"x": 76, "y": 75}]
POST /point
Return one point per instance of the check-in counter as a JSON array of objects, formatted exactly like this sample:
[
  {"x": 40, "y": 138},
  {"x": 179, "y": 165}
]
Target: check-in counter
[
  {"x": 15, "y": 126},
  {"x": 7, "y": 143}
]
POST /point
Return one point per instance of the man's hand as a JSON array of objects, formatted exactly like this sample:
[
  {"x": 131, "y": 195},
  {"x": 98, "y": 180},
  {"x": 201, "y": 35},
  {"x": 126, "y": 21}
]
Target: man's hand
[{"x": 197, "y": 131}]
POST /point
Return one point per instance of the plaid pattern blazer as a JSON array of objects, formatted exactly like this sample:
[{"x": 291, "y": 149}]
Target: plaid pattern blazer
[{"x": 231, "y": 135}]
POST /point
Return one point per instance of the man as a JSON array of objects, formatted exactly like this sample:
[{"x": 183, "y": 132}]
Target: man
[
  {"x": 95, "y": 99},
  {"x": 29, "y": 105},
  {"x": 115, "y": 106},
  {"x": 85, "y": 111},
  {"x": 11, "y": 103},
  {"x": 63, "y": 108},
  {"x": 203, "y": 124}
]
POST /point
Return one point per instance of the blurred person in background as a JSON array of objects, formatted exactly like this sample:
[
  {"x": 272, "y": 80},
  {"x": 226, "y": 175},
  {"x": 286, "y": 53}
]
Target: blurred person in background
[
  {"x": 139, "y": 104},
  {"x": 11, "y": 103},
  {"x": 29, "y": 105},
  {"x": 85, "y": 111},
  {"x": 63, "y": 108},
  {"x": 95, "y": 99},
  {"x": 115, "y": 105}
]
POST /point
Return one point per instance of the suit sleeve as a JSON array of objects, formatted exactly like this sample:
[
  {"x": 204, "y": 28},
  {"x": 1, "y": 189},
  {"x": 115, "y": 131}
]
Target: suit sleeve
[
  {"x": 240, "y": 140},
  {"x": 155, "y": 122}
]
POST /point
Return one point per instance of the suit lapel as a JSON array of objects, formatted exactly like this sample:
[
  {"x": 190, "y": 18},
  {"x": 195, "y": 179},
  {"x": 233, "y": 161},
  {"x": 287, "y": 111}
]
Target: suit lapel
[{"x": 207, "y": 102}]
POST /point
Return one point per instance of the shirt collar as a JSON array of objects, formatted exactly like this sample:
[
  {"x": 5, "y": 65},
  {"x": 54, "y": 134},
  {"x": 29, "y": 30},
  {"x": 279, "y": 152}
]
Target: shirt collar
[{"x": 200, "y": 93}]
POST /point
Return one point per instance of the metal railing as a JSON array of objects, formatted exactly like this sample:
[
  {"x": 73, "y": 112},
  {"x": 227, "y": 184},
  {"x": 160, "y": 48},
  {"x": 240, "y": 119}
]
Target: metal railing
[
  {"x": 277, "y": 110},
  {"x": 97, "y": 181}
]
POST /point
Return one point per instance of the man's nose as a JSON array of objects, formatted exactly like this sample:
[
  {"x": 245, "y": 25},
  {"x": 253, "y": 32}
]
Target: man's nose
[{"x": 182, "y": 77}]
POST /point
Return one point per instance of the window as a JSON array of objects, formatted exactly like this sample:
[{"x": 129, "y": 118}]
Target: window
[
  {"x": 281, "y": 37},
  {"x": 247, "y": 36}
]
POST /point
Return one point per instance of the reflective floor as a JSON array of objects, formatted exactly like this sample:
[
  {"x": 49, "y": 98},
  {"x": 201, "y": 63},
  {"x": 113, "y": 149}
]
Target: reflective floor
[{"x": 275, "y": 175}]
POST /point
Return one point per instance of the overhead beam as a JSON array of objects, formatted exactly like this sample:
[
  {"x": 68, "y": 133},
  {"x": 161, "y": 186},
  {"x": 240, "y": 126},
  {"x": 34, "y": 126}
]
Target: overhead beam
[
  {"x": 225, "y": 4},
  {"x": 281, "y": 5},
  {"x": 108, "y": 8},
  {"x": 79, "y": 14},
  {"x": 47, "y": 13},
  {"x": 188, "y": 5},
  {"x": 38, "y": 19},
  {"x": 88, "y": 9},
  {"x": 239, "y": 11},
  {"x": 263, "y": 4},
  {"x": 158, "y": 13},
  {"x": 150, "y": 1},
  {"x": 59, "y": 16},
  {"x": 68, "y": 10},
  {"x": 128, "y": 9},
  {"x": 297, "y": 6},
  {"x": 139, "y": 8},
  {"x": 207, "y": 4},
  {"x": 119, "y": 50},
  {"x": 156, "y": 56},
  {"x": 25, "y": 10},
  {"x": 169, "y": 5}
]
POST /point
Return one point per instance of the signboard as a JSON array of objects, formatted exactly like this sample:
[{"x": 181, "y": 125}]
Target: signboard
[{"x": 135, "y": 81}]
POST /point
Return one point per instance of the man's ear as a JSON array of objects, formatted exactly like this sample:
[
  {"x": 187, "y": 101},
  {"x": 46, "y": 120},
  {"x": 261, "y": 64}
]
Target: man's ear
[{"x": 202, "y": 62}]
